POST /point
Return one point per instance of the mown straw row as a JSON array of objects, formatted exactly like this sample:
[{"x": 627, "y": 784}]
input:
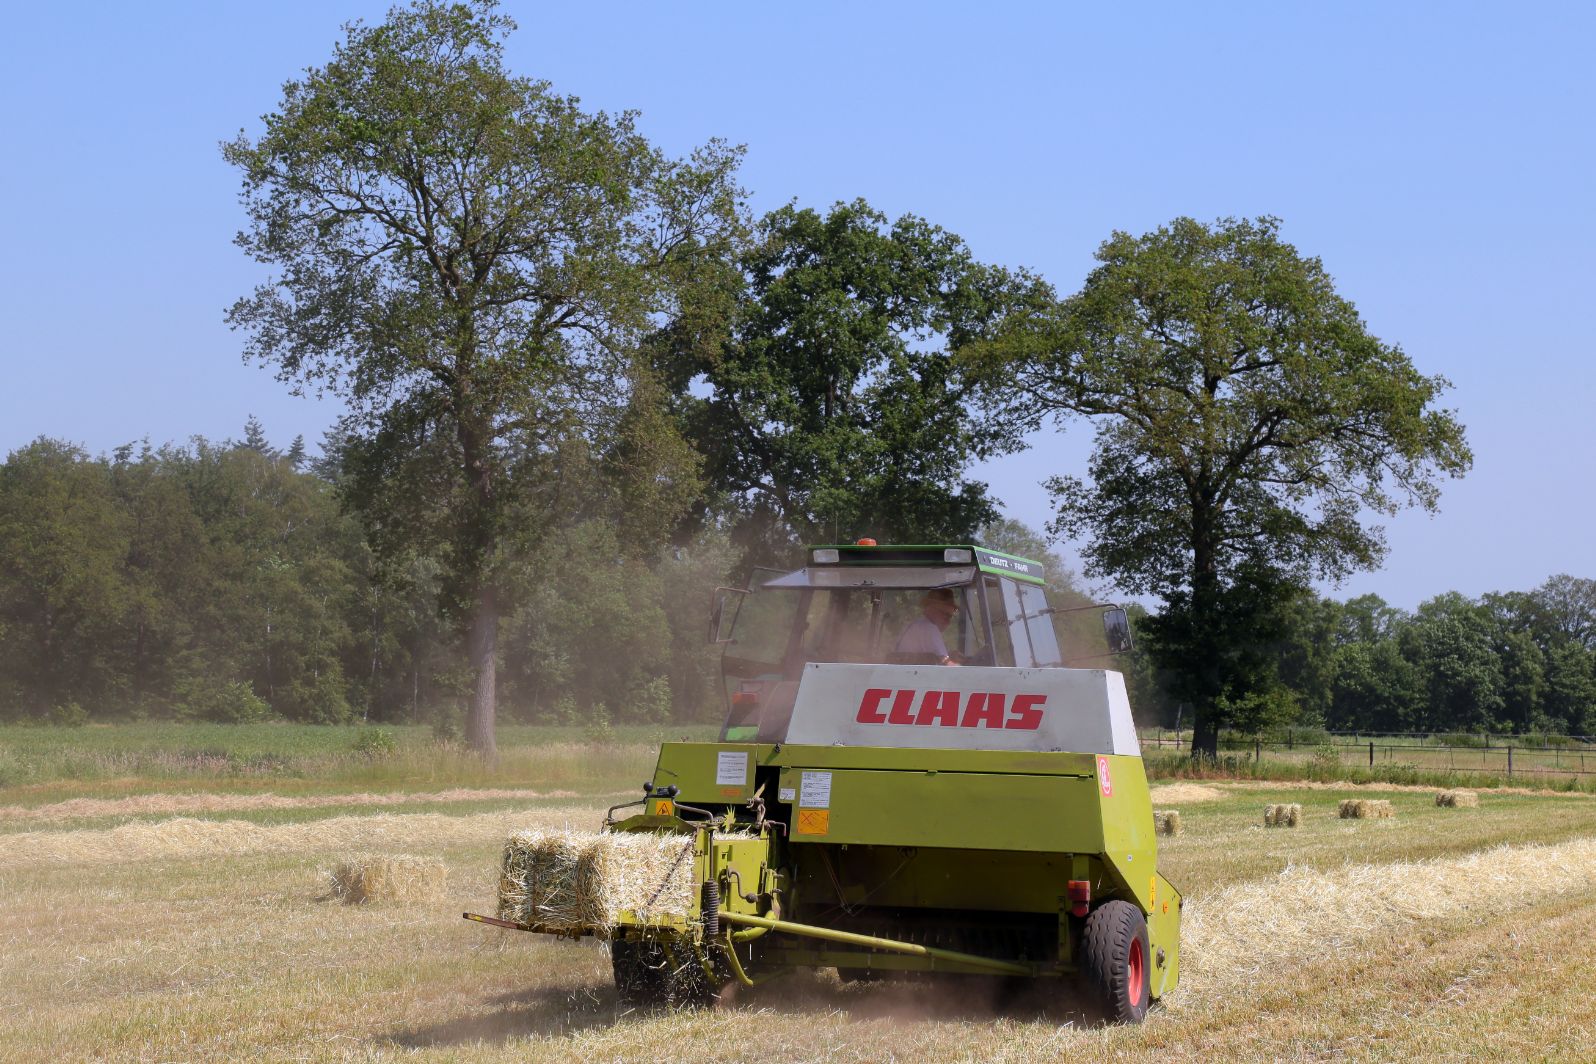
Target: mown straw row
[
  {"x": 362, "y": 878},
  {"x": 570, "y": 880},
  {"x": 1458, "y": 799},
  {"x": 145, "y": 804},
  {"x": 1283, "y": 816},
  {"x": 1167, "y": 821},
  {"x": 1238, "y": 935},
  {"x": 184, "y": 838},
  {"x": 1366, "y": 809}
]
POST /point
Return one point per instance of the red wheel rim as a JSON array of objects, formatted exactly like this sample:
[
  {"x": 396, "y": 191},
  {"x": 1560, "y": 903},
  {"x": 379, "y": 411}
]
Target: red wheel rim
[{"x": 1134, "y": 972}]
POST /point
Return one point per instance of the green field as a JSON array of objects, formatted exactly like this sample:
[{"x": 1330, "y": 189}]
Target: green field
[{"x": 181, "y": 914}]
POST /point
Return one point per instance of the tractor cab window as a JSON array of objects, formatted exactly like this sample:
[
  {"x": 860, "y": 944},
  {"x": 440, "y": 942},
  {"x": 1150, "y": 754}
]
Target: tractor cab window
[{"x": 1039, "y": 626}]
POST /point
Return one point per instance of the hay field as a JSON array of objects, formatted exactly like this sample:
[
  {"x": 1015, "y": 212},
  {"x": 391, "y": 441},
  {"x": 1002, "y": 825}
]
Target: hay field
[{"x": 1441, "y": 934}]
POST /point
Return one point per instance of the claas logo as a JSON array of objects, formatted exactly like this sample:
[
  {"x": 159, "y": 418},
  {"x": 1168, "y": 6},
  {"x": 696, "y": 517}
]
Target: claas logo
[{"x": 951, "y": 709}]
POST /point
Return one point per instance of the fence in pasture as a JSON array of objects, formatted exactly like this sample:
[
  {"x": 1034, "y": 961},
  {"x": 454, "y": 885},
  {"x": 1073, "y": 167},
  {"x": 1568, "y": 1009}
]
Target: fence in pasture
[{"x": 1507, "y": 756}]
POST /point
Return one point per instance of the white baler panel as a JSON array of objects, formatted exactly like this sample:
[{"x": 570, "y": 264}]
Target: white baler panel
[{"x": 963, "y": 708}]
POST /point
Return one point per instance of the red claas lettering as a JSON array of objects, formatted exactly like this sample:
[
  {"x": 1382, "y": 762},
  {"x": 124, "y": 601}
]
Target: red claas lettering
[
  {"x": 870, "y": 706},
  {"x": 982, "y": 709},
  {"x": 1025, "y": 714},
  {"x": 939, "y": 707},
  {"x": 901, "y": 703}
]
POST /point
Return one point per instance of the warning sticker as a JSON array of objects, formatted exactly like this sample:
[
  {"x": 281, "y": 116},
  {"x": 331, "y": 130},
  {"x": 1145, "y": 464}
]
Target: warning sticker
[
  {"x": 814, "y": 821},
  {"x": 731, "y": 767},
  {"x": 815, "y": 788},
  {"x": 786, "y": 794}
]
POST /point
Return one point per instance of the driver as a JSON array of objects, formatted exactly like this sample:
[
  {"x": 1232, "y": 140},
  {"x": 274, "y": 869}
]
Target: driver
[{"x": 922, "y": 639}]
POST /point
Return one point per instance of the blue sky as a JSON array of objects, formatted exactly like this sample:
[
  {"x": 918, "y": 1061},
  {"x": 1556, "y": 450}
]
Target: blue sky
[{"x": 1437, "y": 157}]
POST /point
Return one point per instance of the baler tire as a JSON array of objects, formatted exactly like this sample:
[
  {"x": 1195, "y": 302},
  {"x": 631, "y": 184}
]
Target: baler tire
[
  {"x": 1115, "y": 959},
  {"x": 641, "y": 975}
]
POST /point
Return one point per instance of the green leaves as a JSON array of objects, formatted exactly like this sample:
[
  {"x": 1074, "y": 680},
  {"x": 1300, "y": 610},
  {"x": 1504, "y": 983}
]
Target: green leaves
[
  {"x": 834, "y": 408},
  {"x": 1247, "y": 421}
]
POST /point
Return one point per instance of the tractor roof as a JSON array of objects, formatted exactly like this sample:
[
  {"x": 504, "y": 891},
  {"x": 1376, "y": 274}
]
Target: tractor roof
[{"x": 941, "y": 554}]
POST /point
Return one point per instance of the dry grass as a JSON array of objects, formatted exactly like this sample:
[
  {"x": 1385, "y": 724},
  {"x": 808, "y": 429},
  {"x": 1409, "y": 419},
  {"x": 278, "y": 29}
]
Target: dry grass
[
  {"x": 1458, "y": 799},
  {"x": 173, "y": 804},
  {"x": 1167, "y": 821},
  {"x": 1365, "y": 809},
  {"x": 1356, "y": 952},
  {"x": 1185, "y": 793},
  {"x": 363, "y": 878}
]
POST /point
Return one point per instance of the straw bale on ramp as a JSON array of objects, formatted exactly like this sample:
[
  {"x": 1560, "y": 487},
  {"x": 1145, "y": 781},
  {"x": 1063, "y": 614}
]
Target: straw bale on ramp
[{"x": 571, "y": 880}]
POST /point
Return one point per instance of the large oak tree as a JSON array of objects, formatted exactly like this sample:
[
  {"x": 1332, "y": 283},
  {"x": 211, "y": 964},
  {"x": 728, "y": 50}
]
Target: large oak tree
[
  {"x": 468, "y": 258},
  {"x": 1248, "y": 424}
]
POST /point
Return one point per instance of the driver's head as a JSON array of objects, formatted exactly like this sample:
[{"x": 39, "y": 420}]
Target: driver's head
[{"x": 940, "y": 606}]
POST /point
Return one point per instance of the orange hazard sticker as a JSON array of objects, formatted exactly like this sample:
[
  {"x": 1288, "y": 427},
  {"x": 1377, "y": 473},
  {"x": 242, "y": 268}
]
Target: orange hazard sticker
[
  {"x": 662, "y": 807},
  {"x": 814, "y": 821}
]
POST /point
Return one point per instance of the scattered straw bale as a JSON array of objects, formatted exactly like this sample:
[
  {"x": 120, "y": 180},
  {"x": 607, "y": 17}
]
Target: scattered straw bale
[
  {"x": 1458, "y": 799},
  {"x": 362, "y": 878},
  {"x": 1283, "y": 816},
  {"x": 573, "y": 879},
  {"x": 1366, "y": 809},
  {"x": 1167, "y": 821}
]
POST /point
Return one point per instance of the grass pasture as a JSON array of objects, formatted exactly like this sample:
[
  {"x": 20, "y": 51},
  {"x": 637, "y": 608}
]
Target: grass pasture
[{"x": 194, "y": 924}]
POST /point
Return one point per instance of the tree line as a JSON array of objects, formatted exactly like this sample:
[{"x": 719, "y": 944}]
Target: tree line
[
  {"x": 224, "y": 581},
  {"x": 1511, "y": 662},
  {"x": 578, "y": 370}
]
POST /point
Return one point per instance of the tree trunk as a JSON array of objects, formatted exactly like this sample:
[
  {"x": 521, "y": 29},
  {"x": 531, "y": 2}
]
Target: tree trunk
[
  {"x": 483, "y": 648},
  {"x": 1204, "y": 732}
]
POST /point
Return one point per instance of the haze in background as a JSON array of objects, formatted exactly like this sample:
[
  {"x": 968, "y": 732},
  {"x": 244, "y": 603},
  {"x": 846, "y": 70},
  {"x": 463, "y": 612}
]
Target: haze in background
[{"x": 1437, "y": 158}]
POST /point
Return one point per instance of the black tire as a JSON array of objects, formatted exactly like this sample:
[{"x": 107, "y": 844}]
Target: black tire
[
  {"x": 641, "y": 974},
  {"x": 1116, "y": 961}
]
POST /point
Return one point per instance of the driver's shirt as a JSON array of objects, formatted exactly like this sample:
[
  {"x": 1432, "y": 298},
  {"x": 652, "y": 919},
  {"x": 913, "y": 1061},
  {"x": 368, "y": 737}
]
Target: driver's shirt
[{"x": 922, "y": 637}]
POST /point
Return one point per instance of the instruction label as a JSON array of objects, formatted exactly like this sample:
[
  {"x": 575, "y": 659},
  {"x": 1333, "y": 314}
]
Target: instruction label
[
  {"x": 731, "y": 767},
  {"x": 786, "y": 794},
  {"x": 815, "y": 790}
]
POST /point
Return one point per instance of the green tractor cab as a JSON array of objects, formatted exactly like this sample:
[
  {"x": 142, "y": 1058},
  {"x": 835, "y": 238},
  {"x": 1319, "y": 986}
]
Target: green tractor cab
[{"x": 870, "y": 810}]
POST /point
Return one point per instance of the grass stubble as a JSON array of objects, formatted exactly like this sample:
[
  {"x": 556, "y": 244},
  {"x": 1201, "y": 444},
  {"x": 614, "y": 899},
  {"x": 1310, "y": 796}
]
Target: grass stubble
[{"x": 1368, "y": 940}]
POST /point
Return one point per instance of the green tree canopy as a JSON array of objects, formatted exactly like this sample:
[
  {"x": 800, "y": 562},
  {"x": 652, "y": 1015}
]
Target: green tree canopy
[
  {"x": 830, "y": 408},
  {"x": 1246, "y": 422},
  {"x": 469, "y": 259}
]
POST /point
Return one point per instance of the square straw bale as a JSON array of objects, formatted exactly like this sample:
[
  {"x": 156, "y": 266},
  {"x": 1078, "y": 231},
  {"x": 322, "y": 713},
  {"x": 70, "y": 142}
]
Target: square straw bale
[
  {"x": 1366, "y": 809},
  {"x": 1166, "y": 821},
  {"x": 362, "y": 878},
  {"x": 1283, "y": 815},
  {"x": 570, "y": 880},
  {"x": 1458, "y": 799}
]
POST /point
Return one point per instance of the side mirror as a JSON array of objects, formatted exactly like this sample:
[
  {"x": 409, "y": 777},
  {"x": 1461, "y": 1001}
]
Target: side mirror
[
  {"x": 723, "y": 607},
  {"x": 1116, "y": 628}
]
